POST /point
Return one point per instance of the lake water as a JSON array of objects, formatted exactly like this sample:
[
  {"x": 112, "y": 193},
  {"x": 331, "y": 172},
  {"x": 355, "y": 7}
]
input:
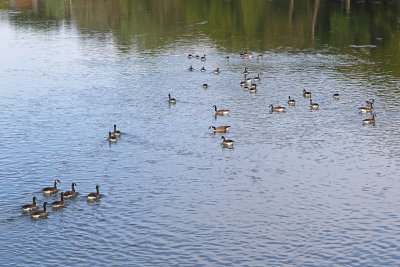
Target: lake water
[{"x": 304, "y": 187}]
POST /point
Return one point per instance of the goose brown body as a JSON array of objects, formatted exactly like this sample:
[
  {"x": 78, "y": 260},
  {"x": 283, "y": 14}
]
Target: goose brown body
[
  {"x": 94, "y": 196},
  {"x": 171, "y": 100},
  {"x": 116, "y": 132},
  {"x": 313, "y": 105},
  {"x": 370, "y": 104},
  {"x": 276, "y": 109},
  {"x": 219, "y": 129},
  {"x": 226, "y": 142},
  {"x": 40, "y": 213},
  {"x": 371, "y": 120},
  {"x": 291, "y": 102},
  {"x": 365, "y": 110},
  {"x": 30, "y": 207},
  {"x": 51, "y": 190},
  {"x": 60, "y": 203},
  {"x": 221, "y": 111},
  {"x": 71, "y": 193},
  {"x": 306, "y": 94},
  {"x": 111, "y": 138}
]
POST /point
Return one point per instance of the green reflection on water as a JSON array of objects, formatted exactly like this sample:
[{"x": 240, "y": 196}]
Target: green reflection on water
[{"x": 233, "y": 26}]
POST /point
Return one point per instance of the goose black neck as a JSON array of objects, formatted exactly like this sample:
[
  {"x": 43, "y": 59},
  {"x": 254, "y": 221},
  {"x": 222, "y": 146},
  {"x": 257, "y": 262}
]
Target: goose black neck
[
  {"x": 55, "y": 184},
  {"x": 73, "y": 187}
]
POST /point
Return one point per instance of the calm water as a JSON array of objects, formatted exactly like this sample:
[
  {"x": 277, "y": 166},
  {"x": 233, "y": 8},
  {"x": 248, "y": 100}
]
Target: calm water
[{"x": 299, "y": 188}]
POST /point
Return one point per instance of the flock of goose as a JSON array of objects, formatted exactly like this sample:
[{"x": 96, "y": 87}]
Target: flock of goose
[
  {"x": 112, "y": 136},
  {"x": 48, "y": 191},
  {"x": 250, "y": 84}
]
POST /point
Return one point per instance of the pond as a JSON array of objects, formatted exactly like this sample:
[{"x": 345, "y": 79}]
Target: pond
[{"x": 315, "y": 187}]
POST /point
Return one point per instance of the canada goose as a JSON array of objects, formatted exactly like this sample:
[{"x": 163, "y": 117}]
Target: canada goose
[
  {"x": 248, "y": 55},
  {"x": 111, "y": 138},
  {"x": 219, "y": 129},
  {"x": 203, "y": 69},
  {"x": 116, "y": 132},
  {"x": 306, "y": 94},
  {"x": 291, "y": 102},
  {"x": 253, "y": 88},
  {"x": 370, "y": 104},
  {"x": 365, "y": 110},
  {"x": 72, "y": 193},
  {"x": 30, "y": 207},
  {"x": 336, "y": 96},
  {"x": 40, "y": 213},
  {"x": 260, "y": 56},
  {"x": 197, "y": 56},
  {"x": 93, "y": 196},
  {"x": 203, "y": 58},
  {"x": 370, "y": 121},
  {"x": 313, "y": 105},
  {"x": 216, "y": 71},
  {"x": 257, "y": 79},
  {"x": 246, "y": 88},
  {"x": 227, "y": 58},
  {"x": 190, "y": 56},
  {"x": 221, "y": 111},
  {"x": 276, "y": 109},
  {"x": 245, "y": 72},
  {"x": 51, "y": 190},
  {"x": 248, "y": 80},
  {"x": 242, "y": 83},
  {"x": 191, "y": 68},
  {"x": 205, "y": 85},
  {"x": 59, "y": 204},
  {"x": 227, "y": 143},
  {"x": 171, "y": 100}
]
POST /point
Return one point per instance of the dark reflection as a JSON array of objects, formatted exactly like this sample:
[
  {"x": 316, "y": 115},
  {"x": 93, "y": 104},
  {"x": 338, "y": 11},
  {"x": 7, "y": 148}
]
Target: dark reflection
[{"x": 233, "y": 25}]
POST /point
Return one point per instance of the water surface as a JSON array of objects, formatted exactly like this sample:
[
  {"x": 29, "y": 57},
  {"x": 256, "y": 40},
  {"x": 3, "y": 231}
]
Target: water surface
[{"x": 299, "y": 188}]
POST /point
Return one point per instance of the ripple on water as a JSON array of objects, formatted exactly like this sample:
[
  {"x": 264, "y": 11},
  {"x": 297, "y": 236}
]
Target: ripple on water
[{"x": 299, "y": 188}]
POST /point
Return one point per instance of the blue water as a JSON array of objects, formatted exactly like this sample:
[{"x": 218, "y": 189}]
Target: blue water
[{"x": 298, "y": 188}]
